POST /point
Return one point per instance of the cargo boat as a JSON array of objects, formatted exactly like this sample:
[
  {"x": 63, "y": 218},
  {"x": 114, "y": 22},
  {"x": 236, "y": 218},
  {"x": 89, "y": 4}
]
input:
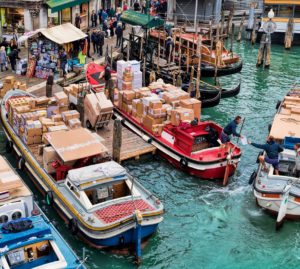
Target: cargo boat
[
  {"x": 98, "y": 199},
  {"x": 38, "y": 244},
  {"x": 280, "y": 194}
]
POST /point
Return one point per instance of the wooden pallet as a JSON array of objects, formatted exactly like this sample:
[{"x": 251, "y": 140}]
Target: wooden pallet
[{"x": 133, "y": 146}]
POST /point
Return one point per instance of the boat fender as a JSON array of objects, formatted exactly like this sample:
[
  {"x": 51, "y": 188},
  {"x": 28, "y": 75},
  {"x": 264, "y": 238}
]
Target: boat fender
[
  {"x": 183, "y": 162},
  {"x": 113, "y": 117},
  {"x": 9, "y": 146},
  {"x": 35, "y": 212},
  {"x": 21, "y": 164},
  {"x": 278, "y": 104},
  {"x": 73, "y": 226},
  {"x": 259, "y": 154},
  {"x": 123, "y": 121},
  {"x": 147, "y": 139},
  {"x": 252, "y": 177},
  {"x": 49, "y": 198}
]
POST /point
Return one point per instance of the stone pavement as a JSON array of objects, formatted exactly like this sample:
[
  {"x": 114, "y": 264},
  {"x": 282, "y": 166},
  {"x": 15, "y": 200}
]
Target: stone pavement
[{"x": 38, "y": 86}]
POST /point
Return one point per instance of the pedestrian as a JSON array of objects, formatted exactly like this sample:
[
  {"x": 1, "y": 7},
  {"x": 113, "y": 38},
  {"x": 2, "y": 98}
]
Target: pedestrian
[
  {"x": 100, "y": 42},
  {"x": 144, "y": 7},
  {"x": 169, "y": 47},
  {"x": 230, "y": 129},
  {"x": 104, "y": 16},
  {"x": 297, "y": 160},
  {"x": 136, "y": 6},
  {"x": 88, "y": 39},
  {"x": 94, "y": 18},
  {"x": 63, "y": 60},
  {"x": 111, "y": 27},
  {"x": 13, "y": 57},
  {"x": 94, "y": 41},
  {"x": 119, "y": 34},
  {"x": 100, "y": 16},
  {"x": 125, "y": 7},
  {"x": 13, "y": 45},
  {"x": 77, "y": 20},
  {"x": 106, "y": 74},
  {"x": 3, "y": 59},
  {"x": 105, "y": 28},
  {"x": 4, "y": 43},
  {"x": 272, "y": 150}
]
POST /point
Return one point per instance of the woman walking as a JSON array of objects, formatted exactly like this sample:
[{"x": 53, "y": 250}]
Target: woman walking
[{"x": 3, "y": 59}]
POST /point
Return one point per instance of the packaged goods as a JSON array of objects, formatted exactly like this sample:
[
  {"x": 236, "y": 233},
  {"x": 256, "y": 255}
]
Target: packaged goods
[
  {"x": 194, "y": 104},
  {"x": 57, "y": 118},
  {"x": 70, "y": 114},
  {"x": 9, "y": 79},
  {"x": 149, "y": 121},
  {"x": 104, "y": 104},
  {"x": 157, "y": 129},
  {"x": 157, "y": 112},
  {"x": 57, "y": 128},
  {"x": 179, "y": 115},
  {"x": 91, "y": 103},
  {"x": 155, "y": 104},
  {"x": 61, "y": 98},
  {"x": 22, "y": 109},
  {"x": 49, "y": 156},
  {"x": 37, "y": 139},
  {"x": 153, "y": 98},
  {"x": 126, "y": 86},
  {"x": 74, "y": 123}
]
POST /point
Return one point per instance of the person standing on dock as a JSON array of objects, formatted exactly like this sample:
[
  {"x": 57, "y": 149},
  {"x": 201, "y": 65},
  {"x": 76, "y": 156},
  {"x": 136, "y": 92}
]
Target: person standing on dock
[
  {"x": 119, "y": 34},
  {"x": 230, "y": 129},
  {"x": 94, "y": 18},
  {"x": 272, "y": 150},
  {"x": 169, "y": 47}
]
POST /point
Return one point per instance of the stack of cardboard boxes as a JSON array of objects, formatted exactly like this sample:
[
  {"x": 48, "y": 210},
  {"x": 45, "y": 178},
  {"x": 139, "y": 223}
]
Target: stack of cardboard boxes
[
  {"x": 129, "y": 75},
  {"x": 159, "y": 104},
  {"x": 62, "y": 101},
  {"x": 10, "y": 83},
  {"x": 95, "y": 105}
]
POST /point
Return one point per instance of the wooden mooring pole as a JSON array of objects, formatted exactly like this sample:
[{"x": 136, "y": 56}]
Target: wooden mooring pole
[
  {"x": 288, "y": 39},
  {"x": 117, "y": 141},
  {"x": 239, "y": 37},
  {"x": 264, "y": 51}
]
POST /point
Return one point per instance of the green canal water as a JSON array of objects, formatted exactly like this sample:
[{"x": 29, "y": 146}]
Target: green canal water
[{"x": 207, "y": 225}]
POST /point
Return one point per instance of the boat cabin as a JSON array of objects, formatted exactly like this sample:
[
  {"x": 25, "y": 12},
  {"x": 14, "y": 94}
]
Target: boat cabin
[
  {"x": 31, "y": 248},
  {"x": 16, "y": 200},
  {"x": 102, "y": 183}
]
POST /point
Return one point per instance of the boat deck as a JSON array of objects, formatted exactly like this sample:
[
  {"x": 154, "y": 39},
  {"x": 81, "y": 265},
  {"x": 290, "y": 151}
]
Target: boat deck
[{"x": 133, "y": 146}]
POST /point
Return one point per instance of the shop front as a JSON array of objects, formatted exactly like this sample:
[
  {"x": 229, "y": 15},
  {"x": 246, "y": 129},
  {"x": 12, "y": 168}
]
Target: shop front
[
  {"x": 12, "y": 19},
  {"x": 66, "y": 11},
  {"x": 45, "y": 46}
]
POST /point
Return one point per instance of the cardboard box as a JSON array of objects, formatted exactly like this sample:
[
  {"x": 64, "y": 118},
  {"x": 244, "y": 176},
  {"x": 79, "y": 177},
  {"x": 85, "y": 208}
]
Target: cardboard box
[
  {"x": 91, "y": 116},
  {"x": 170, "y": 97},
  {"x": 28, "y": 140},
  {"x": 37, "y": 139},
  {"x": 9, "y": 79},
  {"x": 126, "y": 86},
  {"x": 61, "y": 98},
  {"x": 157, "y": 129},
  {"x": 91, "y": 103},
  {"x": 104, "y": 104},
  {"x": 33, "y": 132},
  {"x": 57, "y": 128},
  {"x": 157, "y": 113},
  {"x": 155, "y": 104},
  {"x": 23, "y": 86},
  {"x": 149, "y": 121},
  {"x": 179, "y": 115},
  {"x": 194, "y": 104},
  {"x": 74, "y": 123},
  {"x": 56, "y": 118},
  {"x": 70, "y": 114},
  {"x": 49, "y": 156}
]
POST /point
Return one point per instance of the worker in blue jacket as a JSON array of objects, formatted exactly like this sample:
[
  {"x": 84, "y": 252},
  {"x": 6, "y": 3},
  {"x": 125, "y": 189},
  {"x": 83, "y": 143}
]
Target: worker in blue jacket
[
  {"x": 272, "y": 150},
  {"x": 230, "y": 129}
]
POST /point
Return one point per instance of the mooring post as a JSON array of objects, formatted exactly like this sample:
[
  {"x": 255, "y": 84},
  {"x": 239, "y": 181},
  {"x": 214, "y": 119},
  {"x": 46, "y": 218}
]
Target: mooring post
[
  {"x": 261, "y": 49},
  {"x": 253, "y": 32},
  {"x": 138, "y": 236},
  {"x": 267, "y": 52},
  {"x": 80, "y": 106},
  {"x": 117, "y": 141},
  {"x": 239, "y": 37},
  {"x": 229, "y": 23},
  {"x": 222, "y": 22},
  {"x": 250, "y": 20},
  {"x": 288, "y": 39}
]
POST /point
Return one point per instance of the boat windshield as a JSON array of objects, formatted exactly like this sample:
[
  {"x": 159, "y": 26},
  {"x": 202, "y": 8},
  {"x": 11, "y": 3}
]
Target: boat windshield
[{"x": 106, "y": 192}]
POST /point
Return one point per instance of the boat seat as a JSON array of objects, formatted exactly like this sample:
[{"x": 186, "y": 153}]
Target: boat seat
[{"x": 287, "y": 168}]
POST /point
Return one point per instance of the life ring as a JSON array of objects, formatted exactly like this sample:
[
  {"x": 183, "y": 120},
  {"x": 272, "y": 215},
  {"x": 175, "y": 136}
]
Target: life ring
[
  {"x": 278, "y": 104},
  {"x": 259, "y": 154},
  {"x": 49, "y": 198},
  {"x": 9, "y": 146},
  {"x": 183, "y": 162},
  {"x": 21, "y": 164},
  {"x": 252, "y": 177},
  {"x": 73, "y": 226},
  {"x": 35, "y": 212}
]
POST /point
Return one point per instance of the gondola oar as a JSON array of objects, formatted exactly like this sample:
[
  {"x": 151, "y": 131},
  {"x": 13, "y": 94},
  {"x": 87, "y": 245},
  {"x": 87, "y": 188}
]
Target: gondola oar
[{"x": 283, "y": 206}]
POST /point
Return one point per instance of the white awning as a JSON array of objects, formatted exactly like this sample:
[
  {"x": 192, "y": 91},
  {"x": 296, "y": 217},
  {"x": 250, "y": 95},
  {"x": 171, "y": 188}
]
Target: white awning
[{"x": 61, "y": 34}]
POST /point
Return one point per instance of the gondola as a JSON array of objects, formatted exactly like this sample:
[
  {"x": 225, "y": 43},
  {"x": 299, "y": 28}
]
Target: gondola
[{"x": 209, "y": 70}]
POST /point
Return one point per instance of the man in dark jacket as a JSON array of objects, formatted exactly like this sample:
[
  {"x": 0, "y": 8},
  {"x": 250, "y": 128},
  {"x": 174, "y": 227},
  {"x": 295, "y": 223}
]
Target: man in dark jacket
[
  {"x": 77, "y": 21},
  {"x": 94, "y": 18},
  {"x": 136, "y": 6},
  {"x": 100, "y": 42},
  {"x": 94, "y": 41},
  {"x": 105, "y": 28},
  {"x": 119, "y": 34},
  {"x": 272, "y": 150},
  {"x": 13, "y": 57},
  {"x": 100, "y": 15},
  {"x": 63, "y": 60},
  {"x": 230, "y": 129},
  {"x": 169, "y": 47}
]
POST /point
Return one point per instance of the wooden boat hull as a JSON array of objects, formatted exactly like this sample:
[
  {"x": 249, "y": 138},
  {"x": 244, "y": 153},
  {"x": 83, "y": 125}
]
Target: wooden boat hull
[
  {"x": 99, "y": 238},
  {"x": 209, "y": 70},
  {"x": 206, "y": 171}
]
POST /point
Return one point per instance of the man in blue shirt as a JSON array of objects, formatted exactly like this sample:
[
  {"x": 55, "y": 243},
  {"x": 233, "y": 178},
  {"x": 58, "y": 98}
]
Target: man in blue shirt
[
  {"x": 272, "y": 150},
  {"x": 230, "y": 129}
]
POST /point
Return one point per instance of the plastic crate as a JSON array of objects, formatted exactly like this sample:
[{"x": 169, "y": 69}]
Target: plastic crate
[{"x": 289, "y": 142}]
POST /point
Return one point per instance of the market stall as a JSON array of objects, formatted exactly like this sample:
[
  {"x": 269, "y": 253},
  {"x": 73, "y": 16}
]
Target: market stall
[{"x": 45, "y": 46}]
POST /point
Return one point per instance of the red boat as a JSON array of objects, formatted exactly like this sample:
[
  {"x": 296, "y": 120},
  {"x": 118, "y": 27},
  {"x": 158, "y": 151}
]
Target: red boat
[{"x": 193, "y": 147}]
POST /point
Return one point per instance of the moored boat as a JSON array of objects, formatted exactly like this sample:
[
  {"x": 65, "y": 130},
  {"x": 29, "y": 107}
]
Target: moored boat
[
  {"x": 98, "y": 199},
  {"x": 280, "y": 194},
  {"x": 28, "y": 239}
]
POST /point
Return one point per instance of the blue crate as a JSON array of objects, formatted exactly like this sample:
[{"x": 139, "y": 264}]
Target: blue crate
[{"x": 289, "y": 142}]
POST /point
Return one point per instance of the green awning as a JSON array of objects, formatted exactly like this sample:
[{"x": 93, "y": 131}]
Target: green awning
[
  {"x": 58, "y": 5},
  {"x": 135, "y": 18}
]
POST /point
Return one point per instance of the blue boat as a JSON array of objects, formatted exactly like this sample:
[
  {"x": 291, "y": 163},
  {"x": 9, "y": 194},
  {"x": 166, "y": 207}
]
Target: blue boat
[{"x": 27, "y": 238}]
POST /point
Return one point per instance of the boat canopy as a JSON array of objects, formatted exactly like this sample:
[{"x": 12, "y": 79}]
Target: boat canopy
[
  {"x": 146, "y": 21},
  {"x": 95, "y": 172},
  {"x": 40, "y": 231}
]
